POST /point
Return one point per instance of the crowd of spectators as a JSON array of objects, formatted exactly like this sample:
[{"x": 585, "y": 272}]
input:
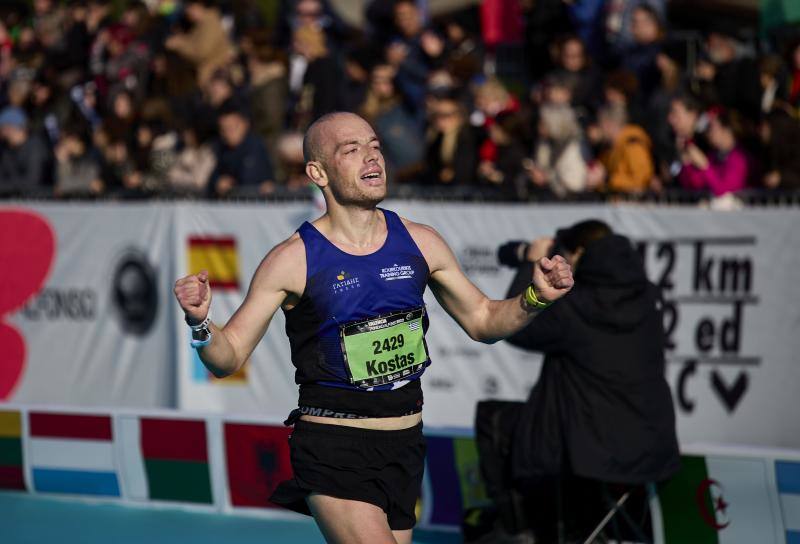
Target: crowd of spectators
[{"x": 545, "y": 99}]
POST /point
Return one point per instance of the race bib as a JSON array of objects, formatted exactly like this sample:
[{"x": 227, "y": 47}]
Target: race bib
[{"x": 384, "y": 349}]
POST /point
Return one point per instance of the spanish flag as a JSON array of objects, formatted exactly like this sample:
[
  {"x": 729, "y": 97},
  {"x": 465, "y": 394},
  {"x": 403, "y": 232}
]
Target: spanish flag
[{"x": 218, "y": 255}]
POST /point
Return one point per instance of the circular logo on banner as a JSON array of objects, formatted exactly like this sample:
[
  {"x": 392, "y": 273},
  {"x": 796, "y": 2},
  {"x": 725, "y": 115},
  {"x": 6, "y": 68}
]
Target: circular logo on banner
[{"x": 134, "y": 292}]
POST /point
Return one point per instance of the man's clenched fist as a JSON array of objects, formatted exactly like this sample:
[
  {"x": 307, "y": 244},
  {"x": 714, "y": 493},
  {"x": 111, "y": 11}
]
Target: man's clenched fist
[
  {"x": 552, "y": 278},
  {"x": 194, "y": 296}
]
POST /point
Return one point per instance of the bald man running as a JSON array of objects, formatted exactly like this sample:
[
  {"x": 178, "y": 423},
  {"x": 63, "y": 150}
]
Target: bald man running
[{"x": 351, "y": 287}]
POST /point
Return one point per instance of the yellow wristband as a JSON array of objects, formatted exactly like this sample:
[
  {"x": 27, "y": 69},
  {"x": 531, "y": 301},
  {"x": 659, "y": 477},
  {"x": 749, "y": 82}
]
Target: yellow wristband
[{"x": 532, "y": 300}]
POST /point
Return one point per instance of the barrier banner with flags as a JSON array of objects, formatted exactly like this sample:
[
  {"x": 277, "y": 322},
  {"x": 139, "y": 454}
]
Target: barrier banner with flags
[{"x": 90, "y": 300}]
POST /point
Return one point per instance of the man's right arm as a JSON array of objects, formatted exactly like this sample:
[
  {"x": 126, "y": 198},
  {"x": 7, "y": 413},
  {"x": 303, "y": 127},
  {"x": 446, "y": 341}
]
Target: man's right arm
[{"x": 279, "y": 279}]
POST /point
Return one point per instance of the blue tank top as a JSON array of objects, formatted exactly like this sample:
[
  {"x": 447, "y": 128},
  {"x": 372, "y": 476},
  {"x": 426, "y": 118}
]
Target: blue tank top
[{"x": 359, "y": 325}]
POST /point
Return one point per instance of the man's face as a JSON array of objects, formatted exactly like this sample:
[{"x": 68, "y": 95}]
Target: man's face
[
  {"x": 383, "y": 81},
  {"x": 644, "y": 27},
  {"x": 681, "y": 119},
  {"x": 233, "y": 129},
  {"x": 446, "y": 115},
  {"x": 572, "y": 56},
  {"x": 353, "y": 161},
  {"x": 407, "y": 19}
]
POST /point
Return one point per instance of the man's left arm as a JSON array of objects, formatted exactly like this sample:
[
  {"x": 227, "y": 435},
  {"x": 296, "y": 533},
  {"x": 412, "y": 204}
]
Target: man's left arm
[{"x": 483, "y": 319}]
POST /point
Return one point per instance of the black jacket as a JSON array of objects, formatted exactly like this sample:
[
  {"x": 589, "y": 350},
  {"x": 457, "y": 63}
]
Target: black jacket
[{"x": 601, "y": 408}]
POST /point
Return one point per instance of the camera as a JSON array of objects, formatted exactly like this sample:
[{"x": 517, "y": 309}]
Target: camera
[{"x": 513, "y": 253}]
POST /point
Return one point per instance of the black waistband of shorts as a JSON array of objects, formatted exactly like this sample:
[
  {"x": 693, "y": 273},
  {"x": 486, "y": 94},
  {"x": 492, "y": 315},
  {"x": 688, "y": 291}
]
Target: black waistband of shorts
[
  {"x": 311, "y": 427},
  {"x": 389, "y": 403}
]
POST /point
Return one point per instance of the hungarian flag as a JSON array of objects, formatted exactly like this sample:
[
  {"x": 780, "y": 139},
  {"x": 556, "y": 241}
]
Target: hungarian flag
[
  {"x": 452, "y": 480},
  {"x": 165, "y": 459},
  {"x": 724, "y": 500},
  {"x": 11, "y": 468},
  {"x": 218, "y": 255},
  {"x": 72, "y": 454},
  {"x": 257, "y": 458}
]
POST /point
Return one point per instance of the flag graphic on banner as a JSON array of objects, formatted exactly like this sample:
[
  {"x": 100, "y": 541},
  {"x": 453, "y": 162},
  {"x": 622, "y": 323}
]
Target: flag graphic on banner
[
  {"x": 218, "y": 255},
  {"x": 718, "y": 500},
  {"x": 72, "y": 454},
  {"x": 787, "y": 475},
  {"x": 165, "y": 459},
  {"x": 454, "y": 476},
  {"x": 257, "y": 461},
  {"x": 11, "y": 468}
]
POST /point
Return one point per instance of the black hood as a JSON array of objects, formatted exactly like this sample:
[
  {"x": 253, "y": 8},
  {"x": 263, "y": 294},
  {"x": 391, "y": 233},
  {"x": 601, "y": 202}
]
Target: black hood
[{"x": 611, "y": 287}]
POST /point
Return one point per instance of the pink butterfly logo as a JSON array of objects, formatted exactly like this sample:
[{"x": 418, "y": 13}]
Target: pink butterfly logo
[{"x": 27, "y": 248}]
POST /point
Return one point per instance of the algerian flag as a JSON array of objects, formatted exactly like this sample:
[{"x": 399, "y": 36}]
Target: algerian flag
[{"x": 726, "y": 500}]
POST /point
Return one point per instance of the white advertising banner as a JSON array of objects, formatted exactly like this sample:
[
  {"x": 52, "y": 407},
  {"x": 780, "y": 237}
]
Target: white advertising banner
[
  {"x": 81, "y": 316},
  {"x": 730, "y": 315},
  {"x": 83, "y": 295}
]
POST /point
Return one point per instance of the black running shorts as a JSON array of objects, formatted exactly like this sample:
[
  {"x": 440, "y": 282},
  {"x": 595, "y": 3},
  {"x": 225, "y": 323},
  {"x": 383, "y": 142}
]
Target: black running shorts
[{"x": 383, "y": 468}]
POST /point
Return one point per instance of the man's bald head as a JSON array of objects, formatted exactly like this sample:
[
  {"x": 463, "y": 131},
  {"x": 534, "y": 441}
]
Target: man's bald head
[{"x": 315, "y": 135}]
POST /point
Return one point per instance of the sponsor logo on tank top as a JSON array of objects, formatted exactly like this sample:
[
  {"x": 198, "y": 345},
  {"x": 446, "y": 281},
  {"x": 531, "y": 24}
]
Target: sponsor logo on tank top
[
  {"x": 345, "y": 282},
  {"x": 397, "y": 272}
]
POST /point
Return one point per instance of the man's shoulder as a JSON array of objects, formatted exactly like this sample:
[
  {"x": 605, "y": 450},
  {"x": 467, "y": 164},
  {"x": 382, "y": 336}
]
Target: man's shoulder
[
  {"x": 291, "y": 250},
  {"x": 284, "y": 265},
  {"x": 422, "y": 233}
]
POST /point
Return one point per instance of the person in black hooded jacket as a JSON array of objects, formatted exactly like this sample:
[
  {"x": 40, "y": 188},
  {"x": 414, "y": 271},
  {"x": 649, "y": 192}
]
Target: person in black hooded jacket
[{"x": 601, "y": 409}]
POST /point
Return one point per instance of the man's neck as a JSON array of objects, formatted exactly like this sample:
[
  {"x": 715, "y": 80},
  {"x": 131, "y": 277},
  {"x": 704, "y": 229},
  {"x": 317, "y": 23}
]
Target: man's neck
[{"x": 358, "y": 228}]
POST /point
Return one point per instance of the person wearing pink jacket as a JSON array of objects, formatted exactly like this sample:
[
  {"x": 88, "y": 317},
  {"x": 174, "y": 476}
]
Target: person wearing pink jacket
[{"x": 726, "y": 169}]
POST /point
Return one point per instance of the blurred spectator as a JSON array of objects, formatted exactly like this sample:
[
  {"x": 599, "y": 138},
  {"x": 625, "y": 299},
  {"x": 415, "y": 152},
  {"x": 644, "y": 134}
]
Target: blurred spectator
[
  {"x": 780, "y": 132},
  {"x": 627, "y": 166},
  {"x": 621, "y": 24},
  {"x": 121, "y": 63},
  {"x": 793, "y": 62},
  {"x": 49, "y": 109},
  {"x": 558, "y": 167},
  {"x": 725, "y": 167},
  {"x": 657, "y": 108},
  {"x": 242, "y": 159},
  {"x": 621, "y": 89},
  {"x": 414, "y": 51},
  {"x": 683, "y": 118},
  {"x": 463, "y": 54},
  {"x": 398, "y": 129},
  {"x": 24, "y": 157},
  {"x": 575, "y": 68},
  {"x": 491, "y": 99},
  {"x": 317, "y": 13},
  {"x": 313, "y": 73},
  {"x": 640, "y": 55},
  {"x": 193, "y": 165},
  {"x": 452, "y": 144},
  {"x": 773, "y": 82},
  {"x": 206, "y": 45},
  {"x": 504, "y": 173},
  {"x": 730, "y": 77},
  {"x": 358, "y": 64},
  {"x": 120, "y": 123},
  {"x": 155, "y": 149},
  {"x": 77, "y": 166},
  {"x": 269, "y": 87},
  {"x": 544, "y": 20}
]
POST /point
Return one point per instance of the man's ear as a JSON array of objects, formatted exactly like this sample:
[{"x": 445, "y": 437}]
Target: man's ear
[{"x": 316, "y": 172}]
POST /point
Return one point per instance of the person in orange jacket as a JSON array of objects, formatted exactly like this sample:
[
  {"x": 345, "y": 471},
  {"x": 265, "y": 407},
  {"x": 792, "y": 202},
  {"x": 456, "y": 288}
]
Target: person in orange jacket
[{"x": 627, "y": 166}]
